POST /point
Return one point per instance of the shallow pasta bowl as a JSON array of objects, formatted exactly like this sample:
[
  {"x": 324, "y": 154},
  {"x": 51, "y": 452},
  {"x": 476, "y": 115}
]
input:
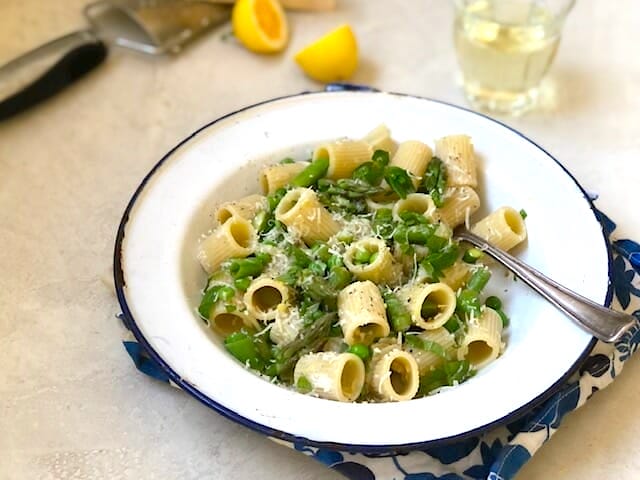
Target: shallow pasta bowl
[{"x": 159, "y": 279}]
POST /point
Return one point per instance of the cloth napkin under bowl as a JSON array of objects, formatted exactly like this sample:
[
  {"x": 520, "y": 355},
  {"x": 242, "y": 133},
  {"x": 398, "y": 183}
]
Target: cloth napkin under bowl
[{"x": 497, "y": 454}]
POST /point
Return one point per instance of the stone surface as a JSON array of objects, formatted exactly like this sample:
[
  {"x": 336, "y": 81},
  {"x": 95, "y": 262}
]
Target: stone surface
[{"x": 72, "y": 406}]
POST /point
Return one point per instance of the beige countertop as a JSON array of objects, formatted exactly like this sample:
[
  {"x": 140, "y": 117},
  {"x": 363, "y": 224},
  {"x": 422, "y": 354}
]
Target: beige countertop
[{"x": 72, "y": 406}]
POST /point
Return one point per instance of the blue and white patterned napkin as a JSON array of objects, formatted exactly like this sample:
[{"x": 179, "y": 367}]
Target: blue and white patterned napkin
[{"x": 497, "y": 454}]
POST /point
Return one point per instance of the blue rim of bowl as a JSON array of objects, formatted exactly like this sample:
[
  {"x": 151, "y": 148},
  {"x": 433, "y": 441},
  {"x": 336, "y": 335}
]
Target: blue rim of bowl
[{"x": 299, "y": 440}]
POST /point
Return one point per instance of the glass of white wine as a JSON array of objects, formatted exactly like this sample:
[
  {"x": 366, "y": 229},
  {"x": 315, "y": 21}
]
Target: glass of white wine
[{"x": 505, "y": 47}]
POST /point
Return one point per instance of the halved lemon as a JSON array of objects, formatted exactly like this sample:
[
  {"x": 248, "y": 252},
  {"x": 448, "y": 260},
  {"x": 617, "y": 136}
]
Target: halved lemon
[
  {"x": 332, "y": 57},
  {"x": 260, "y": 25}
]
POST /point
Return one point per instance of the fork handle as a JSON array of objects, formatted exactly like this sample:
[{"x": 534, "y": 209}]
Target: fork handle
[
  {"x": 40, "y": 73},
  {"x": 603, "y": 323}
]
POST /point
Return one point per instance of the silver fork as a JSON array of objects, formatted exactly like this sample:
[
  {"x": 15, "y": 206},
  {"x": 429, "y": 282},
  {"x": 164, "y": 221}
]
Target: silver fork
[{"x": 603, "y": 323}]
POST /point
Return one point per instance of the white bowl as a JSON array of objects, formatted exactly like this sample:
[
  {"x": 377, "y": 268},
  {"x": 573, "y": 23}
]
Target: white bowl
[{"x": 159, "y": 280}]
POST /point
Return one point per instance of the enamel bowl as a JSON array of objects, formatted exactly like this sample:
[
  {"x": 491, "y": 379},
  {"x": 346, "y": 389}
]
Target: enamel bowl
[{"x": 159, "y": 280}]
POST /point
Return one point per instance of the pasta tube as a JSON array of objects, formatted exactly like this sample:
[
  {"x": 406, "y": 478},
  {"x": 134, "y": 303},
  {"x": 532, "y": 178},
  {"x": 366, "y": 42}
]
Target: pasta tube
[
  {"x": 416, "y": 202},
  {"x": 456, "y": 152},
  {"x": 371, "y": 259},
  {"x": 413, "y": 156},
  {"x": 235, "y": 238},
  {"x": 245, "y": 208},
  {"x": 503, "y": 228},
  {"x": 380, "y": 139},
  {"x": 456, "y": 275},
  {"x": 459, "y": 204},
  {"x": 483, "y": 342},
  {"x": 277, "y": 176},
  {"x": 428, "y": 360},
  {"x": 394, "y": 374},
  {"x": 225, "y": 322},
  {"x": 263, "y": 297},
  {"x": 331, "y": 375},
  {"x": 300, "y": 210},
  {"x": 344, "y": 156},
  {"x": 430, "y": 305},
  {"x": 361, "y": 313}
]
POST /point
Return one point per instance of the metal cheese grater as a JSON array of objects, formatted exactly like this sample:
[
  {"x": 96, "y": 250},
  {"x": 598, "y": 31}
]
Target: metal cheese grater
[{"x": 149, "y": 26}]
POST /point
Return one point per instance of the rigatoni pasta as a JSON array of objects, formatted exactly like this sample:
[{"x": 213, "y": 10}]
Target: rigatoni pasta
[
  {"x": 483, "y": 341},
  {"x": 344, "y": 156},
  {"x": 361, "y": 313},
  {"x": 277, "y": 176},
  {"x": 380, "y": 139},
  {"x": 235, "y": 238},
  {"x": 246, "y": 208},
  {"x": 416, "y": 202},
  {"x": 370, "y": 259},
  {"x": 442, "y": 344},
  {"x": 264, "y": 296},
  {"x": 457, "y": 153},
  {"x": 226, "y": 322},
  {"x": 345, "y": 280},
  {"x": 335, "y": 376},
  {"x": 459, "y": 204},
  {"x": 412, "y": 156},
  {"x": 503, "y": 228},
  {"x": 430, "y": 305},
  {"x": 301, "y": 211},
  {"x": 394, "y": 374}
]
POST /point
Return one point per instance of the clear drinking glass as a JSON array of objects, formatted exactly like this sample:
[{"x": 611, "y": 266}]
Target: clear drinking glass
[{"x": 505, "y": 47}]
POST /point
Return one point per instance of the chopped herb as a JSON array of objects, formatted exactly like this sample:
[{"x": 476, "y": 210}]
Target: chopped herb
[{"x": 434, "y": 181}]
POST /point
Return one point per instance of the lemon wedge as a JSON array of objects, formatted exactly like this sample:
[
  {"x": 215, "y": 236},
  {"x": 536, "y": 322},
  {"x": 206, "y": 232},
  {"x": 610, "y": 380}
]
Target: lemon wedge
[
  {"x": 332, "y": 57},
  {"x": 260, "y": 25}
]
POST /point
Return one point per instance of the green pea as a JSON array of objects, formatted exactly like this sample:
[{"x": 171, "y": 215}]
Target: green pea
[
  {"x": 361, "y": 257},
  {"x": 304, "y": 385},
  {"x": 226, "y": 293},
  {"x": 242, "y": 283},
  {"x": 361, "y": 350},
  {"x": 493, "y": 302},
  {"x": 345, "y": 237}
]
